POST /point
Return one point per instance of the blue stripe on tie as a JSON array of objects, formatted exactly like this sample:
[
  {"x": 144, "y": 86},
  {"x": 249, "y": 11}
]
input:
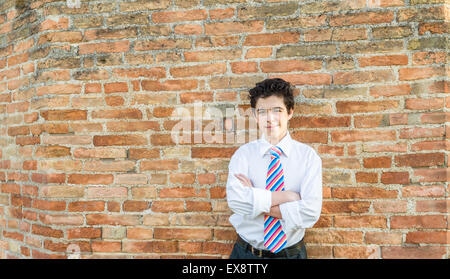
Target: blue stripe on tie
[
  {"x": 274, "y": 173},
  {"x": 272, "y": 162},
  {"x": 281, "y": 247},
  {"x": 268, "y": 221},
  {"x": 277, "y": 184},
  {"x": 274, "y": 228},
  {"x": 276, "y": 240},
  {"x": 276, "y": 180}
]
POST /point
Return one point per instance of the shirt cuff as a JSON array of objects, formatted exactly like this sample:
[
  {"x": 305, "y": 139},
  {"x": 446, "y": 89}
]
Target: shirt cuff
[
  {"x": 262, "y": 201},
  {"x": 290, "y": 212}
]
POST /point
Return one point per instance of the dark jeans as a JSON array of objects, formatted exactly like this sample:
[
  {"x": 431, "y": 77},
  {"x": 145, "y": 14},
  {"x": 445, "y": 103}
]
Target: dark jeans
[{"x": 239, "y": 252}]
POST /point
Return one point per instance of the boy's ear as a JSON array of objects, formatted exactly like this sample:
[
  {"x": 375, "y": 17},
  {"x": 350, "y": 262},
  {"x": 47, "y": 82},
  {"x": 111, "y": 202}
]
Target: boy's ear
[{"x": 290, "y": 114}]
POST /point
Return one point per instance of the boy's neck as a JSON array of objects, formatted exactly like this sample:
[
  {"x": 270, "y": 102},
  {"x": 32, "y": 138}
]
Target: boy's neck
[{"x": 275, "y": 141}]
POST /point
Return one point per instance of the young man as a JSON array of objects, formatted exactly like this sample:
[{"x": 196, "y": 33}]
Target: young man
[{"x": 274, "y": 185}]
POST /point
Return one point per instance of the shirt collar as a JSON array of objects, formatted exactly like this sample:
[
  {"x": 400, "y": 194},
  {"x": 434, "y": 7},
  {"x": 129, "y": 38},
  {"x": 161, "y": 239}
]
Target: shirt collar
[{"x": 285, "y": 144}]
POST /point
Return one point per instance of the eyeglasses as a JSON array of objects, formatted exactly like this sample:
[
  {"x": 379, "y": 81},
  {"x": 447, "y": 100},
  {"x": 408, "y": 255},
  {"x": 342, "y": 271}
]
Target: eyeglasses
[{"x": 264, "y": 112}]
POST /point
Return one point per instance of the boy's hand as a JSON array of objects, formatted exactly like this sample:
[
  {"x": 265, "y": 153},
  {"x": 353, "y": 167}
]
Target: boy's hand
[
  {"x": 277, "y": 197},
  {"x": 244, "y": 180}
]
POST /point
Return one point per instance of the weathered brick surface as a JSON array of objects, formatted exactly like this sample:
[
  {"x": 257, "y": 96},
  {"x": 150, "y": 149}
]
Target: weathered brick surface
[{"x": 88, "y": 95}]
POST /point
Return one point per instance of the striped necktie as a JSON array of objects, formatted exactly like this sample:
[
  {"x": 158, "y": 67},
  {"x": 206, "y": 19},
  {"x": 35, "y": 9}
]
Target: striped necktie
[{"x": 274, "y": 236}]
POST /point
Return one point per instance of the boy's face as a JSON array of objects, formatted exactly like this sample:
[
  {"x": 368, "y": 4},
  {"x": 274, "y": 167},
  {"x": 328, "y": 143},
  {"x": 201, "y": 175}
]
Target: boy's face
[{"x": 272, "y": 116}]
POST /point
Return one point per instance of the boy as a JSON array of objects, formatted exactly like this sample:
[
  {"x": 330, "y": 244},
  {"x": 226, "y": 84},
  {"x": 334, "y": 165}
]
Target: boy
[{"x": 274, "y": 185}]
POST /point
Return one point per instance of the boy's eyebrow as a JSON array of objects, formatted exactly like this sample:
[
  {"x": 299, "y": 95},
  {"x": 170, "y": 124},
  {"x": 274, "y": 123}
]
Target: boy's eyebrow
[{"x": 270, "y": 108}]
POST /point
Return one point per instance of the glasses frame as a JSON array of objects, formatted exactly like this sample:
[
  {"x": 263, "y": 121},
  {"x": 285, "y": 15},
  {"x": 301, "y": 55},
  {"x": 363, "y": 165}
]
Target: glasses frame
[{"x": 265, "y": 112}]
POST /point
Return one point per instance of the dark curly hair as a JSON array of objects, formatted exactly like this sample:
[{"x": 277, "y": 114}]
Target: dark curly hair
[{"x": 270, "y": 87}]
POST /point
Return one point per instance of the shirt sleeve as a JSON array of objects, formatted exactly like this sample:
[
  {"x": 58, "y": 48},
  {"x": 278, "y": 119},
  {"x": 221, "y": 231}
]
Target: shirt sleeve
[
  {"x": 304, "y": 213},
  {"x": 243, "y": 200}
]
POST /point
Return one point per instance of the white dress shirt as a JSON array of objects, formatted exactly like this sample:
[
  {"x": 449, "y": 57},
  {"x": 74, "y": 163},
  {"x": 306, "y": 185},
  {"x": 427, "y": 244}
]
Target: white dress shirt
[{"x": 302, "y": 174}]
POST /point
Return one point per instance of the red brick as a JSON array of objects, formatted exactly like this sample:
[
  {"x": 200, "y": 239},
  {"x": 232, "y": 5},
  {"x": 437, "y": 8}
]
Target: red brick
[
  {"x": 330, "y": 207},
  {"x": 244, "y": 67},
  {"x": 420, "y": 132},
  {"x": 362, "y": 193},
  {"x": 423, "y": 191},
  {"x": 149, "y": 246},
  {"x": 310, "y": 136},
  {"x": 221, "y": 13},
  {"x": 366, "y": 177},
  {"x": 46, "y": 231},
  {"x": 221, "y": 28},
  {"x": 159, "y": 165},
  {"x": 353, "y": 135},
  {"x": 135, "y": 205},
  {"x": 188, "y": 29},
  {"x": 428, "y": 252},
  {"x": 10, "y": 188},
  {"x": 90, "y": 179},
  {"x": 361, "y": 77},
  {"x": 420, "y": 73},
  {"x": 357, "y": 252},
  {"x": 383, "y": 238},
  {"x": 64, "y": 115},
  {"x": 306, "y": 79},
  {"x": 432, "y": 206},
  {"x": 106, "y": 246},
  {"x": 200, "y": 70},
  {"x": 185, "y": 234},
  {"x": 212, "y": 55},
  {"x": 169, "y": 85},
  {"x": 424, "y": 104},
  {"x": 420, "y": 160},
  {"x": 113, "y": 220},
  {"x": 86, "y": 206},
  {"x": 115, "y": 87},
  {"x": 120, "y": 140},
  {"x": 109, "y": 47},
  {"x": 377, "y": 162},
  {"x": 362, "y": 18},
  {"x": 261, "y": 52},
  {"x": 436, "y": 237},
  {"x": 383, "y": 60},
  {"x": 290, "y": 66},
  {"x": 428, "y": 57},
  {"x": 106, "y": 192},
  {"x": 432, "y": 175},
  {"x": 164, "y": 43},
  {"x": 390, "y": 206},
  {"x": 272, "y": 39},
  {"x": 84, "y": 232},
  {"x": 118, "y": 114},
  {"x": 168, "y": 206},
  {"x": 395, "y": 177},
  {"x": 420, "y": 222},
  {"x": 360, "y": 221},
  {"x": 212, "y": 152},
  {"x": 167, "y": 17},
  {"x": 206, "y": 178},
  {"x": 193, "y": 206},
  {"x": 13, "y": 235},
  {"x": 59, "y": 89},
  {"x": 131, "y": 73}
]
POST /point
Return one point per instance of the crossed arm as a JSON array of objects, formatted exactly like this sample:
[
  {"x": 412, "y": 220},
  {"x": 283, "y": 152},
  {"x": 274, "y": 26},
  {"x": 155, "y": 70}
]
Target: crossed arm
[{"x": 278, "y": 197}]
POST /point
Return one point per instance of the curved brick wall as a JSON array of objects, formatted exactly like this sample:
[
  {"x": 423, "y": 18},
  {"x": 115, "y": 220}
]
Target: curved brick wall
[{"x": 87, "y": 97}]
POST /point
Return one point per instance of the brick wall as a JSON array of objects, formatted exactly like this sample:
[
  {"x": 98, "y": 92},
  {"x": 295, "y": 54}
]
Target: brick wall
[{"x": 87, "y": 102}]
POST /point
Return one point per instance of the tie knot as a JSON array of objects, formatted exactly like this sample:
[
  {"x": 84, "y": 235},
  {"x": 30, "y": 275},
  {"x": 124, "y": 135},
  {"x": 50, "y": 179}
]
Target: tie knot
[{"x": 275, "y": 151}]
